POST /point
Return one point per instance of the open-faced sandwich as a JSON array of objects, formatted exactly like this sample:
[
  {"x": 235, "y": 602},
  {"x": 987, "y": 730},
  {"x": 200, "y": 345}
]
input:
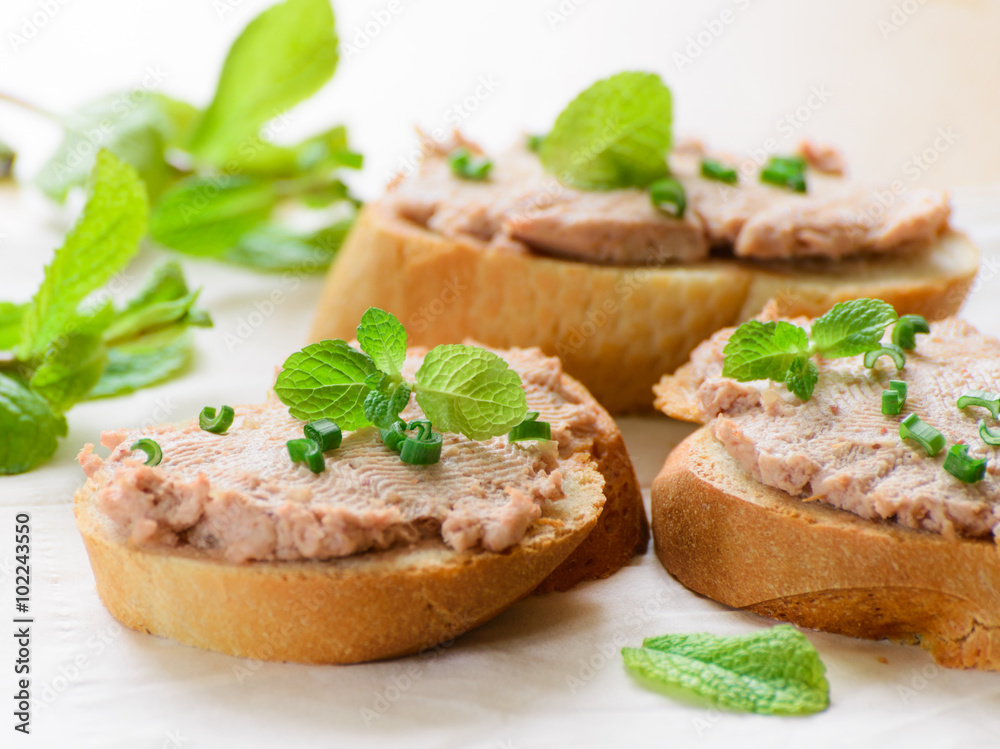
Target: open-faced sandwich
[
  {"x": 386, "y": 500},
  {"x": 844, "y": 480},
  {"x": 599, "y": 245}
]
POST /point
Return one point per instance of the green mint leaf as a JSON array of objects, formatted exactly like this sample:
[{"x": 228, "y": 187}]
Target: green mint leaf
[
  {"x": 282, "y": 57},
  {"x": 471, "y": 391},
  {"x": 69, "y": 370},
  {"x": 614, "y": 134},
  {"x": 136, "y": 130},
  {"x": 772, "y": 672},
  {"x": 164, "y": 283},
  {"x": 319, "y": 153},
  {"x": 326, "y": 380},
  {"x": 763, "y": 351},
  {"x": 852, "y": 328},
  {"x": 383, "y": 404},
  {"x": 208, "y": 215},
  {"x": 142, "y": 362},
  {"x": 10, "y": 324},
  {"x": 155, "y": 316},
  {"x": 383, "y": 338},
  {"x": 102, "y": 242},
  {"x": 29, "y": 429},
  {"x": 801, "y": 377},
  {"x": 273, "y": 248}
]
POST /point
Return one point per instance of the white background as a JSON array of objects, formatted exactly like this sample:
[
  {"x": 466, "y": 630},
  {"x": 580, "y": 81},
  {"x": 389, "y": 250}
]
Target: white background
[{"x": 891, "y": 78}]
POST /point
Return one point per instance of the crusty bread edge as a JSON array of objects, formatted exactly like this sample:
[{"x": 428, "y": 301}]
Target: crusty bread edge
[
  {"x": 726, "y": 536},
  {"x": 365, "y": 607}
]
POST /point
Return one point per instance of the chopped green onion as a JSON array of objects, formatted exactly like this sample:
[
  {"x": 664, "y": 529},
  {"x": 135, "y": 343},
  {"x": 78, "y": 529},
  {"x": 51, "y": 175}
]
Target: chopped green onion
[
  {"x": 892, "y": 404},
  {"x": 530, "y": 429},
  {"x": 891, "y": 350},
  {"x": 153, "y": 452},
  {"x": 216, "y": 424},
  {"x": 423, "y": 449},
  {"x": 324, "y": 433},
  {"x": 394, "y": 436},
  {"x": 309, "y": 451},
  {"x": 785, "y": 171},
  {"x": 904, "y": 334},
  {"x": 668, "y": 195},
  {"x": 900, "y": 387},
  {"x": 989, "y": 436},
  {"x": 535, "y": 142},
  {"x": 983, "y": 399},
  {"x": 467, "y": 166},
  {"x": 967, "y": 470},
  {"x": 916, "y": 429},
  {"x": 712, "y": 169}
]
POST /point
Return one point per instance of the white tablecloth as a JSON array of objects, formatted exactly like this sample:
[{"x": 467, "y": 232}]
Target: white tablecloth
[{"x": 546, "y": 672}]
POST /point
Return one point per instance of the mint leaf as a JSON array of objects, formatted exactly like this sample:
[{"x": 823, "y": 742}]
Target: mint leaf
[
  {"x": 763, "y": 351},
  {"x": 470, "y": 390},
  {"x": 383, "y": 338},
  {"x": 283, "y": 56},
  {"x": 326, "y": 380},
  {"x": 321, "y": 152},
  {"x": 10, "y": 324},
  {"x": 29, "y": 429},
  {"x": 104, "y": 239},
  {"x": 384, "y": 403},
  {"x": 135, "y": 130},
  {"x": 208, "y": 215},
  {"x": 155, "y": 316},
  {"x": 145, "y": 361},
  {"x": 772, "y": 672},
  {"x": 614, "y": 134},
  {"x": 71, "y": 367},
  {"x": 801, "y": 377},
  {"x": 851, "y": 328},
  {"x": 164, "y": 283},
  {"x": 273, "y": 248}
]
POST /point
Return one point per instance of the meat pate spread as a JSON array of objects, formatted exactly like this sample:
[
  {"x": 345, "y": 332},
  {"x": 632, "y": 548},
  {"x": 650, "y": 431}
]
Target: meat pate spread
[{"x": 239, "y": 497}]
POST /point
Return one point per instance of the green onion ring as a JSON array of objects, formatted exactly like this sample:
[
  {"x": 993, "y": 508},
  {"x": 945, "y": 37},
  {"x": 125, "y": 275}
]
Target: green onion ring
[
  {"x": 393, "y": 436},
  {"x": 891, "y": 350},
  {"x": 668, "y": 195},
  {"x": 712, "y": 169},
  {"x": 530, "y": 429},
  {"x": 916, "y": 429},
  {"x": 324, "y": 433},
  {"x": 987, "y": 435},
  {"x": 153, "y": 452},
  {"x": 983, "y": 399},
  {"x": 219, "y": 423},
  {"x": 967, "y": 470},
  {"x": 425, "y": 448},
  {"x": 463, "y": 164},
  {"x": 904, "y": 332},
  {"x": 308, "y": 451},
  {"x": 892, "y": 404}
]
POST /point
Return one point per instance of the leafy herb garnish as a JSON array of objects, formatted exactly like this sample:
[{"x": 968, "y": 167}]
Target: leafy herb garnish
[
  {"x": 775, "y": 671},
  {"x": 461, "y": 389},
  {"x": 217, "y": 183},
  {"x": 62, "y": 349},
  {"x": 782, "y": 352},
  {"x": 615, "y": 134}
]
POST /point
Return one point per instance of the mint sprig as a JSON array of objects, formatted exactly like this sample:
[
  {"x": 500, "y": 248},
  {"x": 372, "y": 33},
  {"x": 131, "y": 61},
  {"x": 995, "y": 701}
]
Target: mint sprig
[
  {"x": 782, "y": 352},
  {"x": 462, "y": 389},
  {"x": 775, "y": 671}
]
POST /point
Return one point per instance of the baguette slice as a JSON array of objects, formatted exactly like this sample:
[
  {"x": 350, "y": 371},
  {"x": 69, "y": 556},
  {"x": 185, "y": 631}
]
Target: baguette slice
[
  {"x": 358, "y": 608},
  {"x": 617, "y": 329},
  {"x": 726, "y": 536}
]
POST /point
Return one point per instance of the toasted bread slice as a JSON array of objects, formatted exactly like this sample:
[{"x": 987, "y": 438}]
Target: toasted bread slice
[
  {"x": 617, "y": 329},
  {"x": 733, "y": 539}
]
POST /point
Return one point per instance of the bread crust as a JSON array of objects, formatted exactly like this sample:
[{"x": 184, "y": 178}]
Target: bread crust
[
  {"x": 726, "y": 536},
  {"x": 358, "y": 608},
  {"x": 617, "y": 329}
]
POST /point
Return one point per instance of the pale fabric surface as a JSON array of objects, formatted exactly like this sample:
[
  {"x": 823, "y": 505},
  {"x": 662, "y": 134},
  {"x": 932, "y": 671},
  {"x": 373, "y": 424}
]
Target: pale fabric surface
[{"x": 547, "y": 672}]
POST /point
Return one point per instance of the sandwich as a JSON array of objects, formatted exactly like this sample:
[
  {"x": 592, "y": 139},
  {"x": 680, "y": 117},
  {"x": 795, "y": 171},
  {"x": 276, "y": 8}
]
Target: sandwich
[
  {"x": 842, "y": 480},
  {"x": 607, "y": 245},
  {"x": 335, "y": 523}
]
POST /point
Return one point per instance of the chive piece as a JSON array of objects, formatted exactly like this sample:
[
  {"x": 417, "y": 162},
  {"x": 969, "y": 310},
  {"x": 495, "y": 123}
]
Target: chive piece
[
  {"x": 308, "y": 451},
  {"x": 465, "y": 165},
  {"x": 987, "y": 435},
  {"x": 712, "y": 169},
  {"x": 219, "y": 423},
  {"x": 983, "y": 399},
  {"x": 892, "y": 404},
  {"x": 153, "y": 452},
  {"x": 785, "y": 171},
  {"x": 904, "y": 333},
  {"x": 967, "y": 470},
  {"x": 668, "y": 195},
  {"x": 394, "y": 436},
  {"x": 425, "y": 448},
  {"x": 916, "y": 429},
  {"x": 324, "y": 433},
  {"x": 530, "y": 429},
  {"x": 535, "y": 142},
  {"x": 900, "y": 387},
  {"x": 891, "y": 350}
]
